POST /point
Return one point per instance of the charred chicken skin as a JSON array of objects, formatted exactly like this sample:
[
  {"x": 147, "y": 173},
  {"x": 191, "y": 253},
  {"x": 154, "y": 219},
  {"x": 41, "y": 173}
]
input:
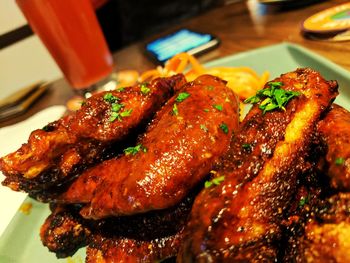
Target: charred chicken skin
[
  {"x": 177, "y": 151},
  {"x": 125, "y": 250},
  {"x": 146, "y": 238},
  {"x": 64, "y": 231},
  {"x": 140, "y": 238},
  {"x": 326, "y": 236},
  {"x": 239, "y": 219},
  {"x": 62, "y": 149},
  {"x": 335, "y": 131}
]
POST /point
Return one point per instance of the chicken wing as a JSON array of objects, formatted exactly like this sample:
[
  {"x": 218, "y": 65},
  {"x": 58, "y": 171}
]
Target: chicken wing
[
  {"x": 326, "y": 237},
  {"x": 140, "y": 238},
  {"x": 335, "y": 131},
  {"x": 178, "y": 150},
  {"x": 62, "y": 149},
  {"x": 146, "y": 238},
  {"x": 125, "y": 250},
  {"x": 239, "y": 218},
  {"x": 64, "y": 231}
]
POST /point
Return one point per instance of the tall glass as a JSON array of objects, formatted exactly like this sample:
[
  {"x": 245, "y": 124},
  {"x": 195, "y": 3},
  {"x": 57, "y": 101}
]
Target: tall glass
[{"x": 70, "y": 31}]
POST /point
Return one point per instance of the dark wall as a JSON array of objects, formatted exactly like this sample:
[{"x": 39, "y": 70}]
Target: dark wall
[{"x": 127, "y": 21}]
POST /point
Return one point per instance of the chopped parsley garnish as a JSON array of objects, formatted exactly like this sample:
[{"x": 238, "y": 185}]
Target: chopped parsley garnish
[
  {"x": 224, "y": 128},
  {"x": 126, "y": 113},
  {"x": 120, "y": 89},
  {"x": 182, "y": 96},
  {"x": 273, "y": 97},
  {"x": 303, "y": 201},
  {"x": 206, "y": 110},
  {"x": 252, "y": 100},
  {"x": 135, "y": 150},
  {"x": 339, "y": 161},
  {"x": 114, "y": 115},
  {"x": 209, "y": 87},
  {"x": 214, "y": 181},
  {"x": 145, "y": 89},
  {"x": 110, "y": 98},
  {"x": 116, "y": 107},
  {"x": 175, "y": 110},
  {"x": 204, "y": 128},
  {"x": 218, "y": 107},
  {"x": 46, "y": 128},
  {"x": 118, "y": 115},
  {"x": 246, "y": 146},
  {"x": 83, "y": 103}
]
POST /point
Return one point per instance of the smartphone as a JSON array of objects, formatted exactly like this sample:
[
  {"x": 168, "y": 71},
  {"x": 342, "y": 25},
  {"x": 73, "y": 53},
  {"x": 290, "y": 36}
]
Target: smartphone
[{"x": 183, "y": 40}]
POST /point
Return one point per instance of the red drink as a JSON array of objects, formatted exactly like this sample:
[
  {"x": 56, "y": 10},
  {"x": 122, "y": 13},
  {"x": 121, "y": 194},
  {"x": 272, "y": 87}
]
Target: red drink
[{"x": 70, "y": 31}]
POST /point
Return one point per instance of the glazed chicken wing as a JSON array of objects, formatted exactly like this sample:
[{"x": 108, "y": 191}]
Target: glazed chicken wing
[
  {"x": 145, "y": 238},
  {"x": 140, "y": 238},
  {"x": 124, "y": 250},
  {"x": 334, "y": 129},
  {"x": 326, "y": 237},
  {"x": 238, "y": 218},
  {"x": 64, "y": 231},
  {"x": 197, "y": 184},
  {"x": 62, "y": 149},
  {"x": 178, "y": 150}
]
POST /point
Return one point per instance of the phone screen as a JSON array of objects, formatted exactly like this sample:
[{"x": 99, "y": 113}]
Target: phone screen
[{"x": 183, "y": 40}]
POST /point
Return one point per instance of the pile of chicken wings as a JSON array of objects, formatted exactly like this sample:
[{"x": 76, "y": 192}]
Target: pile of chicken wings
[{"x": 166, "y": 171}]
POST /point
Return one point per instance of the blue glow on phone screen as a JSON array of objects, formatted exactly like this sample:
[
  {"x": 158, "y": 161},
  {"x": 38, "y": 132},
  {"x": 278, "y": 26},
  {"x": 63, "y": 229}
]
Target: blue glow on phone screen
[{"x": 181, "y": 41}]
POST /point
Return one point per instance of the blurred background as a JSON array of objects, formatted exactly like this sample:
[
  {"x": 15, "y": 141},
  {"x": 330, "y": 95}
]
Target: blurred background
[{"x": 24, "y": 59}]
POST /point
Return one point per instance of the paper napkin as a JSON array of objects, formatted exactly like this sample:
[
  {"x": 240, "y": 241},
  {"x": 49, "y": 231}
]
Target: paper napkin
[{"x": 12, "y": 137}]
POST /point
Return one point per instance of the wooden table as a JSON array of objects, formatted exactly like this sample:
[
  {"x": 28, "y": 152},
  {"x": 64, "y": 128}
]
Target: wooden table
[{"x": 240, "y": 26}]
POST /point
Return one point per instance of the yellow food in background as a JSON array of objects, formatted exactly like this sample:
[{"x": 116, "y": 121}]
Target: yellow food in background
[
  {"x": 126, "y": 78},
  {"x": 244, "y": 81}
]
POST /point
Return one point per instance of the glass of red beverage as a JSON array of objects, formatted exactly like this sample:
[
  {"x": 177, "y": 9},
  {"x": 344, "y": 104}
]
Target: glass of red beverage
[{"x": 70, "y": 31}]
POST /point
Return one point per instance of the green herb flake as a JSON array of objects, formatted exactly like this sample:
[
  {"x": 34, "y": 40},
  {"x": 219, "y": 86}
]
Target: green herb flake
[
  {"x": 246, "y": 146},
  {"x": 182, "y": 96},
  {"x": 224, "y": 128},
  {"x": 273, "y": 97},
  {"x": 252, "y": 100},
  {"x": 83, "y": 103},
  {"x": 116, "y": 107},
  {"x": 275, "y": 84},
  {"x": 175, "y": 110},
  {"x": 209, "y": 87},
  {"x": 46, "y": 128},
  {"x": 206, "y": 110},
  {"x": 120, "y": 89},
  {"x": 204, "y": 128},
  {"x": 218, "y": 107},
  {"x": 114, "y": 116},
  {"x": 268, "y": 107},
  {"x": 214, "y": 181},
  {"x": 339, "y": 161},
  {"x": 145, "y": 89},
  {"x": 135, "y": 150},
  {"x": 126, "y": 113},
  {"x": 303, "y": 201},
  {"x": 110, "y": 98},
  {"x": 279, "y": 96}
]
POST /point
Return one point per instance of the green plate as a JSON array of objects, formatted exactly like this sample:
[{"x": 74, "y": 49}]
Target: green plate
[{"x": 21, "y": 243}]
